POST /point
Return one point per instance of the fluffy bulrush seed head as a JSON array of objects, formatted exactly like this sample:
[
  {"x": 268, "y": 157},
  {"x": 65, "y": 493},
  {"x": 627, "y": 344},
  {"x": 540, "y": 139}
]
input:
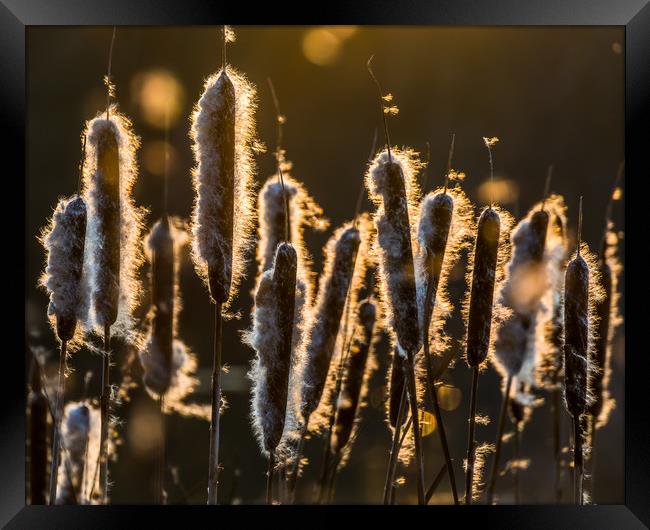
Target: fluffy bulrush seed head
[
  {"x": 520, "y": 298},
  {"x": 551, "y": 331},
  {"x": 271, "y": 338},
  {"x": 609, "y": 319},
  {"x": 223, "y": 217},
  {"x": 304, "y": 213},
  {"x": 354, "y": 387},
  {"x": 392, "y": 186},
  {"x": 168, "y": 365},
  {"x": 485, "y": 274},
  {"x": 445, "y": 228},
  {"x": 340, "y": 255},
  {"x": 63, "y": 278},
  {"x": 113, "y": 239},
  {"x": 80, "y": 451},
  {"x": 349, "y": 323},
  {"x": 582, "y": 292}
]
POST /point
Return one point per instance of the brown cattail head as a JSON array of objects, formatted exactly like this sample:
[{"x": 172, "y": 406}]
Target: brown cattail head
[
  {"x": 222, "y": 132},
  {"x": 271, "y": 337},
  {"x": 392, "y": 186},
  {"x": 355, "y": 379},
  {"x": 479, "y": 321},
  {"x": 113, "y": 237},
  {"x": 576, "y": 335},
  {"x": 340, "y": 256},
  {"x": 64, "y": 241},
  {"x": 75, "y": 434},
  {"x": 303, "y": 213},
  {"x": 163, "y": 280},
  {"x": 433, "y": 230}
]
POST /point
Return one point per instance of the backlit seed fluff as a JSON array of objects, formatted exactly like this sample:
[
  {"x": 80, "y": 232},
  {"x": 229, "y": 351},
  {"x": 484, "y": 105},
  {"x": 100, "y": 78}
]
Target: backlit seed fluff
[
  {"x": 485, "y": 275},
  {"x": 223, "y": 216},
  {"x": 303, "y": 213},
  {"x": 168, "y": 365},
  {"x": 113, "y": 236},
  {"x": 325, "y": 317},
  {"x": 392, "y": 186},
  {"x": 582, "y": 292},
  {"x": 63, "y": 278},
  {"x": 271, "y": 338},
  {"x": 79, "y": 454}
]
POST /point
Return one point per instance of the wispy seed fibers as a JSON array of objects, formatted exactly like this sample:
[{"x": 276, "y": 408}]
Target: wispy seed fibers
[
  {"x": 63, "y": 278},
  {"x": 223, "y": 216},
  {"x": 271, "y": 337},
  {"x": 113, "y": 238}
]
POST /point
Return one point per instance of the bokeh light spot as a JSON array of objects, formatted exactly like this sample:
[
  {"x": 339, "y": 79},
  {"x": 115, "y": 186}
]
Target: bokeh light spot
[
  {"x": 321, "y": 46},
  {"x": 156, "y": 93}
]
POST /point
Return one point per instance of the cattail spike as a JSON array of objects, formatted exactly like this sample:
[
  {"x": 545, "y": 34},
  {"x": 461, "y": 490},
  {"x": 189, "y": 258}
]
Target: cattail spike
[
  {"x": 547, "y": 185},
  {"x": 579, "y": 238},
  {"x": 81, "y": 165},
  {"x": 108, "y": 75},
  {"x": 449, "y": 159},
  {"x": 381, "y": 105}
]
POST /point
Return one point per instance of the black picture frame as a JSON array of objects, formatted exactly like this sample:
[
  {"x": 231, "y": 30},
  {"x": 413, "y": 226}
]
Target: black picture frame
[{"x": 634, "y": 15}]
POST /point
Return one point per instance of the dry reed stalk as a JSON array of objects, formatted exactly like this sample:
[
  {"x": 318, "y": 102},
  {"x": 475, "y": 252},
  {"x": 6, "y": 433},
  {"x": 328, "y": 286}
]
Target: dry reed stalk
[
  {"x": 354, "y": 387},
  {"x": 582, "y": 291},
  {"x": 223, "y": 135},
  {"x": 37, "y": 410}
]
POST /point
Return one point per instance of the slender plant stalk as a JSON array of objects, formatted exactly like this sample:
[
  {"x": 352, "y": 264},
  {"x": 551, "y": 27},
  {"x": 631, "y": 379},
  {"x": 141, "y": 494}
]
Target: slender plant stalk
[
  {"x": 436, "y": 482},
  {"x": 557, "y": 447},
  {"x": 405, "y": 430},
  {"x": 269, "y": 479},
  {"x": 394, "y": 451},
  {"x": 578, "y": 471},
  {"x": 58, "y": 414},
  {"x": 432, "y": 387},
  {"x": 499, "y": 441},
  {"x": 471, "y": 443},
  {"x": 213, "y": 471},
  {"x": 163, "y": 452},
  {"x": 105, "y": 410},
  {"x": 412, "y": 396}
]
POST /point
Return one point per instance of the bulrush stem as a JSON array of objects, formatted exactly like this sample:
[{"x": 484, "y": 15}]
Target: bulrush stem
[
  {"x": 163, "y": 452},
  {"x": 269, "y": 479},
  {"x": 292, "y": 476},
  {"x": 557, "y": 449},
  {"x": 436, "y": 482},
  {"x": 578, "y": 474},
  {"x": 56, "y": 433},
  {"x": 105, "y": 410},
  {"x": 394, "y": 451},
  {"x": 471, "y": 443},
  {"x": 592, "y": 457},
  {"x": 499, "y": 441},
  {"x": 431, "y": 291},
  {"x": 412, "y": 396},
  {"x": 213, "y": 470}
]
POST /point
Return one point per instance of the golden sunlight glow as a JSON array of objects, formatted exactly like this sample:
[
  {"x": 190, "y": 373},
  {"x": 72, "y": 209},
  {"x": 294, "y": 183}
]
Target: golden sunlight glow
[
  {"x": 501, "y": 191},
  {"x": 153, "y": 157},
  {"x": 449, "y": 397},
  {"x": 321, "y": 46},
  {"x": 156, "y": 93}
]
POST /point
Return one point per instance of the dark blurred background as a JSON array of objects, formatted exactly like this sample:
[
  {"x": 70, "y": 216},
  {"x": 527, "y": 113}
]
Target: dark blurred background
[{"x": 552, "y": 96}]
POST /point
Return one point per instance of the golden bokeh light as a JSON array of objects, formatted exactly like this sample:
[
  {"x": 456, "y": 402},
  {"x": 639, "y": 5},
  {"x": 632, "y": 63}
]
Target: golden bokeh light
[
  {"x": 321, "y": 46},
  {"x": 449, "y": 397},
  {"x": 158, "y": 93},
  {"x": 501, "y": 191},
  {"x": 145, "y": 431},
  {"x": 153, "y": 157}
]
